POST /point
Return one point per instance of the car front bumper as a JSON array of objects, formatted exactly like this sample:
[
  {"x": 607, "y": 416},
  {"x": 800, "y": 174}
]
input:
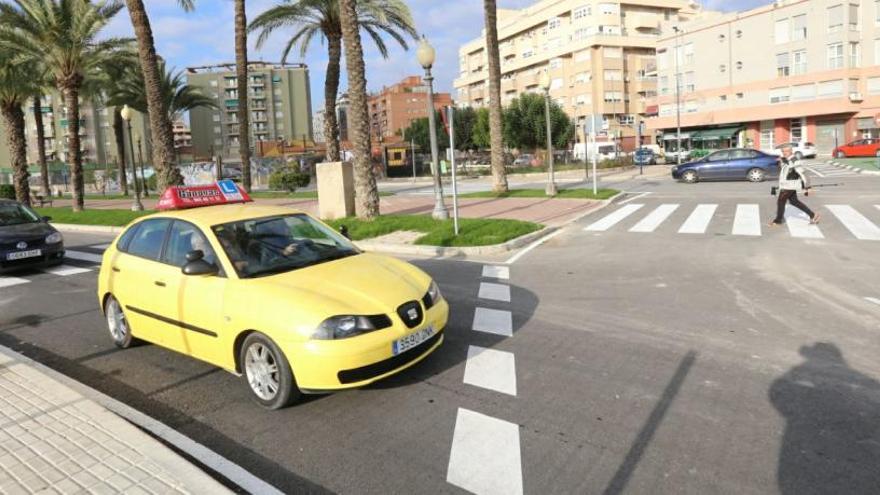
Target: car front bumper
[
  {"x": 676, "y": 173},
  {"x": 52, "y": 255},
  {"x": 327, "y": 365}
]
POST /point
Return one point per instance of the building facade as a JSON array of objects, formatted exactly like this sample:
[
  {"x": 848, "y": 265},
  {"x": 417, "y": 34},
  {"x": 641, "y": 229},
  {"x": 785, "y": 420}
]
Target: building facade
[
  {"x": 796, "y": 70},
  {"x": 395, "y": 107},
  {"x": 182, "y": 135},
  {"x": 279, "y": 101},
  {"x": 600, "y": 57}
]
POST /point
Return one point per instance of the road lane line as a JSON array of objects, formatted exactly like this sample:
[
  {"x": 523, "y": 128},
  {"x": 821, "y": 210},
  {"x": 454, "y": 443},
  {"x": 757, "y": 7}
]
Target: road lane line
[
  {"x": 513, "y": 259},
  {"x": 799, "y": 224},
  {"x": 855, "y": 222},
  {"x": 698, "y": 221},
  {"x": 495, "y": 271},
  {"x": 491, "y": 369},
  {"x": 747, "y": 220},
  {"x": 873, "y": 300},
  {"x": 613, "y": 219},
  {"x": 493, "y": 321},
  {"x": 637, "y": 196},
  {"x": 64, "y": 271},
  {"x": 485, "y": 456},
  {"x": 494, "y": 292},
  {"x": 655, "y": 218},
  {"x": 81, "y": 256},
  {"x": 811, "y": 169},
  {"x": 12, "y": 281}
]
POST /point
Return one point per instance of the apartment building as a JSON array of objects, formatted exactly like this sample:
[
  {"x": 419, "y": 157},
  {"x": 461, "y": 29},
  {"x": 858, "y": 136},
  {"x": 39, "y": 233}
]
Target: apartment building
[
  {"x": 279, "y": 101},
  {"x": 182, "y": 136},
  {"x": 97, "y": 139},
  {"x": 600, "y": 56},
  {"x": 394, "y": 107},
  {"x": 796, "y": 70}
]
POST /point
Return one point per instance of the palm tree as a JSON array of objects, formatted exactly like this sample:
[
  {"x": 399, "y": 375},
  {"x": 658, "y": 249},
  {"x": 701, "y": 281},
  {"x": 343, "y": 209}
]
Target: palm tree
[
  {"x": 63, "y": 35},
  {"x": 113, "y": 74},
  {"x": 499, "y": 173},
  {"x": 41, "y": 141},
  {"x": 160, "y": 127},
  {"x": 18, "y": 81},
  {"x": 365, "y": 191},
  {"x": 178, "y": 97},
  {"x": 241, "y": 72},
  {"x": 321, "y": 18}
]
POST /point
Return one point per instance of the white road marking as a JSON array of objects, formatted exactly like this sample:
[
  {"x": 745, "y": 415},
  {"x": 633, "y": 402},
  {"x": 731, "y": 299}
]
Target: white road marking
[
  {"x": 799, "y": 224},
  {"x": 513, "y": 259},
  {"x": 613, "y": 219},
  {"x": 495, "y": 271},
  {"x": 747, "y": 220},
  {"x": 485, "y": 457},
  {"x": 873, "y": 300},
  {"x": 12, "y": 281},
  {"x": 637, "y": 196},
  {"x": 811, "y": 169},
  {"x": 494, "y": 292},
  {"x": 699, "y": 220},
  {"x": 79, "y": 255},
  {"x": 493, "y": 321},
  {"x": 855, "y": 222},
  {"x": 488, "y": 368},
  {"x": 66, "y": 271},
  {"x": 654, "y": 219},
  {"x": 877, "y": 206}
]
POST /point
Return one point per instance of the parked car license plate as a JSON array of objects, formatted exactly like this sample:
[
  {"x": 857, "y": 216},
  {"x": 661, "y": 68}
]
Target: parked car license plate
[
  {"x": 412, "y": 340},
  {"x": 33, "y": 253}
]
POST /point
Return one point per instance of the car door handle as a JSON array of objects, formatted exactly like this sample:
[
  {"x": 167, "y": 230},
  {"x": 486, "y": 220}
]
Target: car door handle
[
  {"x": 115, "y": 269},
  {"x": 159, "y": 283}
]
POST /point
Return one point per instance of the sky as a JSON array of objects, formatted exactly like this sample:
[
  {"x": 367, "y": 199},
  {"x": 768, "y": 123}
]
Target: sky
[{"x": 205, "y": 37}]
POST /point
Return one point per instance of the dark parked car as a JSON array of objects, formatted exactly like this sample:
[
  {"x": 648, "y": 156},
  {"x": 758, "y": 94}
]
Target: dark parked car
[
  {"x": 644, "y": 156},
  {"x": 729, "y": 164},
  {"x": 26, "y": 240}
]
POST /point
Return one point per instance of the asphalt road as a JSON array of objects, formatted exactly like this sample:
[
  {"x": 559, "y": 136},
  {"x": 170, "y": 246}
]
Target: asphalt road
[{"x": 645, "y": 362}]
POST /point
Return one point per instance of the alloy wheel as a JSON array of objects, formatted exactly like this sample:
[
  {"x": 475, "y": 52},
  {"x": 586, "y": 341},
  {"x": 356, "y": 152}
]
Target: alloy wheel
[{"x": 261, "y": 368}]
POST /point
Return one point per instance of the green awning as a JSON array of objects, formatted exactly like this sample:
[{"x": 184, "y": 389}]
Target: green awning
[{"x": 716, "y": 134}]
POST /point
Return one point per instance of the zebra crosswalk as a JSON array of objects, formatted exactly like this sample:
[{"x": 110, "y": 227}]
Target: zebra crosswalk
[
  {"x": 84, "y": 263},
  {"x": 748, "y": 220},
  {"x": 826, "y": 170}
]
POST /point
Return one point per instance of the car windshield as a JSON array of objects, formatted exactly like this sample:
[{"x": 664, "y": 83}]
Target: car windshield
[
  {"x": 16, "y": 214},
  {"x": 270, "y": 245}
]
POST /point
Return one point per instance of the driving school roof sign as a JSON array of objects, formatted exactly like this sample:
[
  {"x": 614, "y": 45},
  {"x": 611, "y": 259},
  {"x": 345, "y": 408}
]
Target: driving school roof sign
[{"x": 220, "y": 193}]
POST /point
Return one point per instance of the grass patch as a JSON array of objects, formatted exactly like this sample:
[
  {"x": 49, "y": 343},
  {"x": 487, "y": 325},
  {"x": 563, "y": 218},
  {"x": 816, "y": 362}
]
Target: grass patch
[
  {"x": 472, "y": 231},
  {"x": 863, "y": 163},
  {"x": 539, "y": 193},
  {"x": 115, "y": 218}
]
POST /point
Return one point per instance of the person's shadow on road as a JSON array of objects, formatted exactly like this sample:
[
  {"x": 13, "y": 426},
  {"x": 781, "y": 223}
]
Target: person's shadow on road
[{"x": 831, "y": 442}]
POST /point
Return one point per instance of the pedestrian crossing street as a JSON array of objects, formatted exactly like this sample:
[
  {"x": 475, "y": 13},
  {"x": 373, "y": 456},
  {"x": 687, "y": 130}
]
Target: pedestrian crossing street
[
  {"x": 76, "y": 262},
  {"x": 825, "y": 170},
  {"x": 746, "y": 220}
]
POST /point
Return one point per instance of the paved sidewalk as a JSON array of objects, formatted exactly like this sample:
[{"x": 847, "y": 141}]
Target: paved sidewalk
[{"x": 55, "y": 440}]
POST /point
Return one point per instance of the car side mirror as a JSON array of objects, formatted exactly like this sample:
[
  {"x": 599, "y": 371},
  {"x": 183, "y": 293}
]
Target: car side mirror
[
  {"x": 194, "y": 255},
  {"x": 46, "y": 219},
  {"x": 344, "y": 231},
  {"x": 196, "y": 265}
]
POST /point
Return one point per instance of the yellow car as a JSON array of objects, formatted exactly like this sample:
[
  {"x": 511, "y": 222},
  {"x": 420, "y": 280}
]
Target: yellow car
[{"x": 271, "y": 294}]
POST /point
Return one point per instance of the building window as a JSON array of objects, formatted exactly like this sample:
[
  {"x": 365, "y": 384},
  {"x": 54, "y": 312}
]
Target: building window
[
  {"x": 796, "y": 127},
  {"x": 830, "y": 89},
  {"x": 627, "y": 119},
  {"x": 582, "y": 56},
  {"x": 721, "y": 38},
  {"x": 613, "y": 97},
  {"x": 854, "y": 55},
  {"x": 874, "y": 86},
  {"x": 216, "y": 118},
  {"x": 555, "y": 63},
  {"x": 214, "y": 83},
  {"x": 689, "y": 53},
  {"x": 739, "y": 66},
  {"x": 722, "y": 68},
  {"x": 723, "y": 97},
  {"x": 217, "y": 130},
  {"x": 835, "y": 55},
  {"x": 781, "y": 31},
  {"x": 664, "y": 85},
  {"x": 739, "y": 96},
  {"x": 690, "y": 106},
  {"x": 609, "y": 8},
  {"x": 580, "y": 12},
  {"x": 835, "y": 18},
  {"x": 554, "y": 23},
  {"x": 803, "y": 92},
  {"x": 853, "y": 17},
  {"x": 662, "y": 60},
  {"x": 799, "y": 27},
  {"x": 800, "y": 62},
  {"x": 780, "y": 95},
  {"x": 767, "y": 134},
  {"x": 612, "y": 52},
  {"x": 557, "y": 83},
  {"x": 783, "y": 64},
  {"x": 739, "y": 33},
  {"x": 613, "y": 75},
  {"x": 689, "y": 85}
]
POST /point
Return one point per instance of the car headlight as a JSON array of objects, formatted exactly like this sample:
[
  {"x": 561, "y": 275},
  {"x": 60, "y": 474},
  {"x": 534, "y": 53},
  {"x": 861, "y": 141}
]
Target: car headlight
[
  {"x": 343, "y": 327},
  {"x": 54, "y": 238},
  {"x": 433, "y": 296}
]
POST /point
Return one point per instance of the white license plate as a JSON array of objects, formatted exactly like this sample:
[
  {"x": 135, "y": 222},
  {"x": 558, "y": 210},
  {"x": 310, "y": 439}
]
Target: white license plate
[
  {"x": 33, "y": 253},
  {"x": 412, "y": 340}
]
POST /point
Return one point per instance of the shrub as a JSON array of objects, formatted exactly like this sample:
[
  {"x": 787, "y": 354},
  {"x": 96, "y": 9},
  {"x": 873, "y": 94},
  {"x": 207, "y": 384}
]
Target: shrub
[
  {"x": 7, "y": 191},
  {"x": 698, "y": 153},
  {"x": 288, "y": 179}
]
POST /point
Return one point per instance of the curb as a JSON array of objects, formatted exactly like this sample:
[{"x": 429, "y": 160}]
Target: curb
[{"x": 94, "y": 229}]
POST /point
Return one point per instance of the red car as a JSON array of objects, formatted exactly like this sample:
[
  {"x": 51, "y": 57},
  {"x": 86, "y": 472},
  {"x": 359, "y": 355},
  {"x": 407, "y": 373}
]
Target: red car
[{"x": 862, "y": 147}]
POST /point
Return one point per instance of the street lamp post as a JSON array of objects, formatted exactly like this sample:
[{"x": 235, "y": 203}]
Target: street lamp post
[
  {"x": 551, "y": 183},
  {"x": 143, "y": 175},
  {"x": 677, "y": 100},
  {"x": 425, "y": 55},
  {"x": 126, "y": 116}
]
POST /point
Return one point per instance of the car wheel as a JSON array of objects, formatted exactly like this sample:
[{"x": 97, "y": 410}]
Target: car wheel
[
  {"x": 840, "y": 154},
  {"x": 798, "y": 155},
  {"x": 689, "y": 176},
  {"x": 755, "y": 175},
  {"x": 268, "y": 373},
  {"x": 117, "y": 323}
]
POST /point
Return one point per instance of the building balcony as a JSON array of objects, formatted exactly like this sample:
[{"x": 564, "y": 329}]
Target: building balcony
[
  {"x": 508, "y": 85},
  {"x": 476, "y": 94},
  {"x": 507, "y": 50}
]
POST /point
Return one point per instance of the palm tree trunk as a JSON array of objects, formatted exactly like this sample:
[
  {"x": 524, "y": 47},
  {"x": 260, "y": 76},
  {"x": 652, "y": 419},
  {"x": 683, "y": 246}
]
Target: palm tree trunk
[
  {"x": 41, "y": 146},
  {"x": 331, "y": 89},
  {"x": 241, "y": 68},
  {"x": 499, "y": 173},
  {"x": 118, "y": 130},
  {"x": 366, "y": 193},
  {"x": 160, "y": 125},
  {"x": 74, "y": 154},
  {"x": 13, "y": 119}
]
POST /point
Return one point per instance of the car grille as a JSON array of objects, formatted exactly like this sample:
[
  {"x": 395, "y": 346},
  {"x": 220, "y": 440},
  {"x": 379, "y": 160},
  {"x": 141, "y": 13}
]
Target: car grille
[
  {"x": 32, "y": 243},
  {"x": 377, "y": 369},
  {"x": 411, "y": 314}
]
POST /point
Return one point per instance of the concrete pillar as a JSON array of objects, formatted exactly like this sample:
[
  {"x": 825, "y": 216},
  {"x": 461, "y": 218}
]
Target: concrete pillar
[{"x": 335, "y": 190}]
